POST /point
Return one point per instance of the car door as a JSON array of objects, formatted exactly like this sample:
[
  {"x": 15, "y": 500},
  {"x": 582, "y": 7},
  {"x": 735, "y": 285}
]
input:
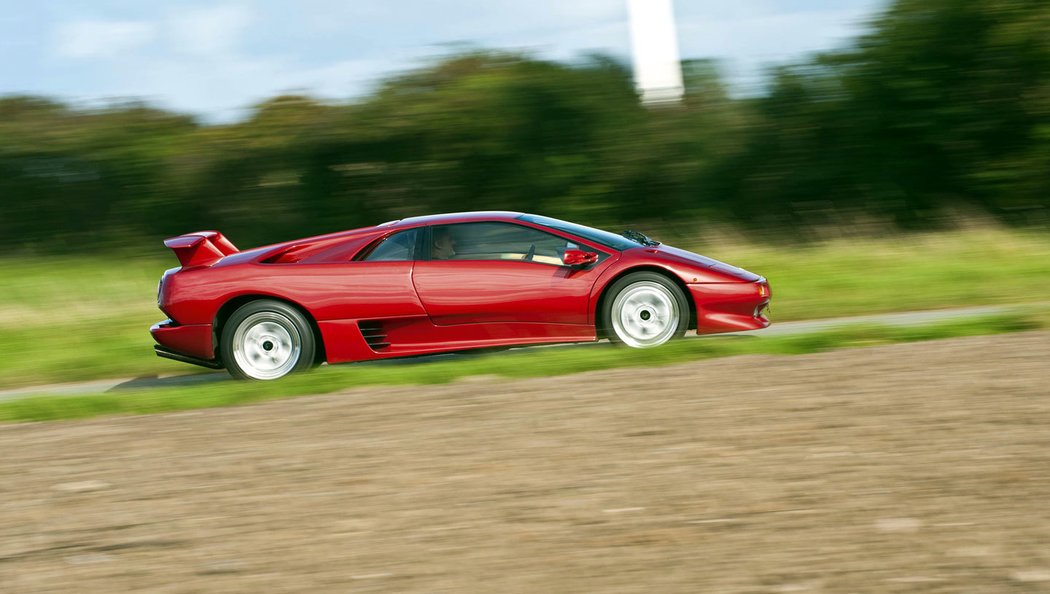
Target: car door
[{"x": 501, "y": 272}]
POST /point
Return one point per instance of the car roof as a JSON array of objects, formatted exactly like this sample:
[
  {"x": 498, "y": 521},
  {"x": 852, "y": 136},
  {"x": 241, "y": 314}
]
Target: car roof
[
  {"x": 444, "y": 219},
  {"x": 456, "y": 217}
]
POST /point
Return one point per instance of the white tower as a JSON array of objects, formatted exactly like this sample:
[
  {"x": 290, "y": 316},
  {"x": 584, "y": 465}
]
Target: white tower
[{"x": 657, "y": 64}]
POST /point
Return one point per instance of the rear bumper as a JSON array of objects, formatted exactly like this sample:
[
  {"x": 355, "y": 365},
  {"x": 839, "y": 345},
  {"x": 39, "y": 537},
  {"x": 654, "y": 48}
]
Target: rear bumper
[
  {"x": 194, "y": 344},
  {"x": 730, "y": 307}
]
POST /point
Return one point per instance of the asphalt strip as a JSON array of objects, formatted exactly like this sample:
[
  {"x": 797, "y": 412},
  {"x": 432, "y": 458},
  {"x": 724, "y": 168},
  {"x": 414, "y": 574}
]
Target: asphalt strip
[{"x": 915, "y": 318}]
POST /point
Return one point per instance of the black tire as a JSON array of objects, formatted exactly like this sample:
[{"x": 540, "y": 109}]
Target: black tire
[
  {"x": 644, "y": 310},
  {"x": 266, "y": 340}
]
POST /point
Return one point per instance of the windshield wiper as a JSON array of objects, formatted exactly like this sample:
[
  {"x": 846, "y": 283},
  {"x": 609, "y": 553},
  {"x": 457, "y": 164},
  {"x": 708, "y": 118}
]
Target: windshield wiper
[{"x": 640, "y": 238}]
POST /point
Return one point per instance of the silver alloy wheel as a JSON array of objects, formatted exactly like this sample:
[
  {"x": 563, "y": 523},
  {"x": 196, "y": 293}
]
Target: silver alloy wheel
[
  {"x": 645, "y": 314},
  {"x": 266, "y": 345}
]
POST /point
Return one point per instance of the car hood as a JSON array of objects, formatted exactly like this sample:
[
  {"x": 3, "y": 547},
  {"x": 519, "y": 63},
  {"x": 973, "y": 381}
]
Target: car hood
[{"x": 680, "y": 255}]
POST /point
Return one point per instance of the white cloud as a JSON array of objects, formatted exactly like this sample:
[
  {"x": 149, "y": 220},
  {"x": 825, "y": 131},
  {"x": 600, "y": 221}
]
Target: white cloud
[
  {"x": 102, "y": 39},
  {"x": 219, "y": 58},
  {"x": 771, "y": 36},
  {"x": 340, "y": 79},
  {"x": 224, "y": 88},
  {"x": 749, "y": 45},
  {"x": 418, "y": 23},
  {"x": 209, "y": 31}
]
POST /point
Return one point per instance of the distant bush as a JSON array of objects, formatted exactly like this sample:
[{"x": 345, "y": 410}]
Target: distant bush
[{"x": 942, "y": 107}]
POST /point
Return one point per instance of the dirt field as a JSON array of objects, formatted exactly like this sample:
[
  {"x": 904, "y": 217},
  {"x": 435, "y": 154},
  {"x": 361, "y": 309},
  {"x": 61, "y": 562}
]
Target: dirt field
[{"x": 915, "y": 468}]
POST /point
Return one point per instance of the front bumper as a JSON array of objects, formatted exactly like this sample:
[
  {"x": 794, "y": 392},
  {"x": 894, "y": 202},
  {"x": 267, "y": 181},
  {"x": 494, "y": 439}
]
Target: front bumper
[
  {"x": 731, "y": 307},
  {"x": 193, "y": 344}
]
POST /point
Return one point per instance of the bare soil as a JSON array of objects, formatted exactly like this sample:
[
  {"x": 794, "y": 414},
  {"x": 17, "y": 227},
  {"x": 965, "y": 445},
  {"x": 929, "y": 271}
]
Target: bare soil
[{"x": 914, "y": 468}]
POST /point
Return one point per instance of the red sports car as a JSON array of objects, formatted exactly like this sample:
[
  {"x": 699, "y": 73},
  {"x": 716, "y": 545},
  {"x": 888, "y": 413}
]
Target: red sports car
[{"x": 436, "y": 284}]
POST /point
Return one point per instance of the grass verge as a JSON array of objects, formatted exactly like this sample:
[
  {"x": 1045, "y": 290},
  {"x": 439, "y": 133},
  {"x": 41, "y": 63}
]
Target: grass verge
[
  {"x": 514, "y": 364},
  {"x": 908, "y": 272}
]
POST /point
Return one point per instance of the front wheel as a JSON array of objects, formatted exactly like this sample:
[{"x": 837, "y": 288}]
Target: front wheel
[
  {"x": 266, "y": 340},
  {"x": 645, "y": 309}
]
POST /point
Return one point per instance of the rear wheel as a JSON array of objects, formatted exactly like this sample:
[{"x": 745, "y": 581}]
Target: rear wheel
[
  {"x": 267, "y": 340},
  {"x": 644, "y": 310}
]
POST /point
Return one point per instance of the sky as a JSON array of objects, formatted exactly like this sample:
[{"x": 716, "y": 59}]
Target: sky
[{"x": 216, "y": 58}]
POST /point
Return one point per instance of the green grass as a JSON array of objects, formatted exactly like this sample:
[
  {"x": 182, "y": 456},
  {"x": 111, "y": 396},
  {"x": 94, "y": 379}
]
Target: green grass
[
  {"x": 78, "y": 319},
  {"x": 72, "y": 319},
  {"x": 515, "y": 364},
  {"x": 901, "y": 273}
]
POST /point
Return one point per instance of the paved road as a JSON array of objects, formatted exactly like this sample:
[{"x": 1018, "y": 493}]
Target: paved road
[
  {"x": 778, "y": 329},
  {"x": 911, "y": 318}
]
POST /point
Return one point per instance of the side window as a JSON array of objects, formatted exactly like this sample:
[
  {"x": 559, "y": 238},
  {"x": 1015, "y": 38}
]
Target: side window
[
  {"x": 396, "y": 248},
  {"x": 496, "y": 241}
]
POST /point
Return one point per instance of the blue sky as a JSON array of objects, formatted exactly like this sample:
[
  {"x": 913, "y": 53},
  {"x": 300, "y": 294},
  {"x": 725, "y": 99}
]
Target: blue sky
[{"x": 216, "y": 58}]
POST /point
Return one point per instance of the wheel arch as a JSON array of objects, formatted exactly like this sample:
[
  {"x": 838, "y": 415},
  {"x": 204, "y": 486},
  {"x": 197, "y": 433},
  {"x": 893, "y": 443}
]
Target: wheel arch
[
  {"x": 600, "y": 302},
  {"x": 232, "y": 304}
]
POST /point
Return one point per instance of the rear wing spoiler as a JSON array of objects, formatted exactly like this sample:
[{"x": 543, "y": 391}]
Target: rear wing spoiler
[{"x": 202, "y": 248}]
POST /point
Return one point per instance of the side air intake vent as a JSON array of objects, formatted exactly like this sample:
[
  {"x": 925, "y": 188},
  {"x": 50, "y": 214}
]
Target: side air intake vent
[{"x": 374, "y": 335}]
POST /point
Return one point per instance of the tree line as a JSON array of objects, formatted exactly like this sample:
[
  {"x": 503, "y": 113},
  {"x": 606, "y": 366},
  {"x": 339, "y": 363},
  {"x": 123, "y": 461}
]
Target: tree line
[{"x": 941, "y": 108}]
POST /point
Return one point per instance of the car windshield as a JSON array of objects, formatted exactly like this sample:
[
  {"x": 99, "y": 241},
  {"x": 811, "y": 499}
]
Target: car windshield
[{"x": 605, "y": 238}]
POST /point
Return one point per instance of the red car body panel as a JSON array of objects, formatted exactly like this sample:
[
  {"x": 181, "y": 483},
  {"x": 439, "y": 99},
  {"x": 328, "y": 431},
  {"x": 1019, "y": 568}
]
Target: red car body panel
[
  {"x": 471, "y": 292},
  {"x": 379, "y": 309}
]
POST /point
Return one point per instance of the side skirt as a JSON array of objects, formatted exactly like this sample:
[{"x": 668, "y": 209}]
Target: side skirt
[{"x": 363, "y": 340}]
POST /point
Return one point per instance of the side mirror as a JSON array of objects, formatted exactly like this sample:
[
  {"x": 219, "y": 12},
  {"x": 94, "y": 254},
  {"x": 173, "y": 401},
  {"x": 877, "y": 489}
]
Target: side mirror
[{"x": 578, "y": 258}]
